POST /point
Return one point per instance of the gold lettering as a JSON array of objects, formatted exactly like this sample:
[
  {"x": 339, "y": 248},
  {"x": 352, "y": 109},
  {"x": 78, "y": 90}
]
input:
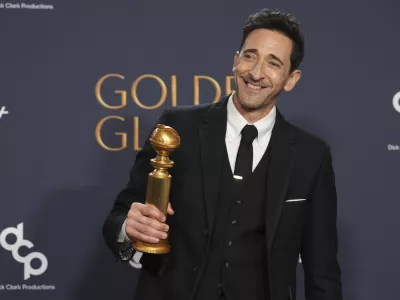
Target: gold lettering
[
  {"x": 136, "y": 144},
  {"x": 173, "y": 89},
  {"x": 99, "y": 98},
  {"x": 228, "y": 85},
  {"x": 197, "y": 88},
  {"x": 163, "y": 91},
  {"x": 99, "y": 126}
]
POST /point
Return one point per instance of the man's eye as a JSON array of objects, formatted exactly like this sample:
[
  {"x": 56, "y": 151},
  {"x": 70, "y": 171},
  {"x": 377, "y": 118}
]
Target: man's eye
[{"x": 274, "y": 64}]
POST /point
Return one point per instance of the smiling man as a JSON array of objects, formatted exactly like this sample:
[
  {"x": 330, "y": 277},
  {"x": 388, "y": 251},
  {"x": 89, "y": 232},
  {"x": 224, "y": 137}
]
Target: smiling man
[
  {"x": 263, "y": 68},
  {"x": 250, "y": 192}
]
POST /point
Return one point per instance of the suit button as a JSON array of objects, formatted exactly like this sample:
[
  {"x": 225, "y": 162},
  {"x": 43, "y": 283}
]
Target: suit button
[
  {"x": 233, "y": 222},
  {"x": 220, "y": 285},
  {"x": 195, "y": 270},
  {"x": 229, "y": 243},
  {"x": 206, "y": 234},
  {"x": 238, "y": 202},
  {"x": 226, "y": 264}
]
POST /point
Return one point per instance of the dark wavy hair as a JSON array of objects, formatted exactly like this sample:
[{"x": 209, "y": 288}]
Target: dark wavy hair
[{"x": 281, "y": 22}]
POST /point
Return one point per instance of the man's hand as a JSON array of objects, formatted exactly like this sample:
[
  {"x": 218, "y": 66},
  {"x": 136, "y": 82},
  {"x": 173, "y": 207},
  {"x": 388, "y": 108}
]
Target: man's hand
[{"x": 146, "y": 223}]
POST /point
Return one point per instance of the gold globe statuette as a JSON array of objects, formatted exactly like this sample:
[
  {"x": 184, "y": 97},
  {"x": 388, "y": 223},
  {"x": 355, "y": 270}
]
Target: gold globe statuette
[{"x": 164, "y": 140}]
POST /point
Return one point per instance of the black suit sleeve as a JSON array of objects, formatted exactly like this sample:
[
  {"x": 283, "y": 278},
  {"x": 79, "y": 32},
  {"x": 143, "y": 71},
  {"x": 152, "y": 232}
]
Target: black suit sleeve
[
  {"x": 320, "y": 245},
  {"x": 135, "y": 191}
]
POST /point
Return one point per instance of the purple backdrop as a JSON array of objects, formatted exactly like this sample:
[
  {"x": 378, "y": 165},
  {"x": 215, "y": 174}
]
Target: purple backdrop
[{"x": 61, "y": 126}]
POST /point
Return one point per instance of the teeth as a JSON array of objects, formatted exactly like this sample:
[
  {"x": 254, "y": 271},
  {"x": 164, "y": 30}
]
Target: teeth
[{"x": 256, "y": 87}]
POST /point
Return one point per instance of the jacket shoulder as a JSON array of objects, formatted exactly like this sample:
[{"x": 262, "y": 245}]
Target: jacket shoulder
[{"x": 309, "y": 141}]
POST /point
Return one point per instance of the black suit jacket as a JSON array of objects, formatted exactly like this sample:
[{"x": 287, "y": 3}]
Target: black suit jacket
[{"x": 300, "y": 168}]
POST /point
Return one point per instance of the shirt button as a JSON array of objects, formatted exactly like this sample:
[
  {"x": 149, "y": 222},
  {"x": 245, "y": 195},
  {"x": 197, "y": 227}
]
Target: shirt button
[
  {"x": 206, "y": 234},
  {"x": 220, "y": 285},
  {"x": 229, "y": 243},
  {"x": 238, "y": 202},
  {"x": 233, "y": 222},
  {"x": 226, "y": 264},
  {"x": 195, "y": 270}
]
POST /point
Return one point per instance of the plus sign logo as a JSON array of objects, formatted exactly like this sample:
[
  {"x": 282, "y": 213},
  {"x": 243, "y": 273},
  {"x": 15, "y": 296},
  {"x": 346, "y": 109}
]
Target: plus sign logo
[
  {"x": 3, "y": 111},
  {"x": 396, "y": 102}
]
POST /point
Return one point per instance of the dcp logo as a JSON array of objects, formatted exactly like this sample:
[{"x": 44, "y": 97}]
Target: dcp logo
[
  {"x": 18, "y": 232},
  {"x": 396, "y": 102}
]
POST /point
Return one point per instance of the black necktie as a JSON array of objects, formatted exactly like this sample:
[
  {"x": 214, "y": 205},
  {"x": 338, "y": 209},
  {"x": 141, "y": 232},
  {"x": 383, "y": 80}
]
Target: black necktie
[{"x": 244, "y": 158}]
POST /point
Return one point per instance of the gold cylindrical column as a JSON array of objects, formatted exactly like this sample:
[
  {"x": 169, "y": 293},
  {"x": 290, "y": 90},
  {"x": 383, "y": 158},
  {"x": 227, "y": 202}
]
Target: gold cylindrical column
[{"x": 164, "y": 140}]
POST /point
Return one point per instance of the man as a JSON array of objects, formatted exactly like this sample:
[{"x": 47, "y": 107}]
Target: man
[{"x": 250, "y": 192}]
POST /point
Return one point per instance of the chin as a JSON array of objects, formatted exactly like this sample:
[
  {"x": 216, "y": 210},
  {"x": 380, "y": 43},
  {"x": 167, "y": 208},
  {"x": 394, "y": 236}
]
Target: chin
[
  {"x": 250, "y": 105},
  {"x": 248, "y": 102}
]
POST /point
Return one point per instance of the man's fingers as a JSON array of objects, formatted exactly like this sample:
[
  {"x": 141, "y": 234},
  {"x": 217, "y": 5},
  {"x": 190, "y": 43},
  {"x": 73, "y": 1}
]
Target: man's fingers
[
  {"x": 151, "y": 223},
  {"x": 146, "y": 223},
  {"x": 142, "y": 228},
  {"x": 133, "y": 234},
  {"x": 152, "y": 212},
  {"x": 149, "y": 231}
]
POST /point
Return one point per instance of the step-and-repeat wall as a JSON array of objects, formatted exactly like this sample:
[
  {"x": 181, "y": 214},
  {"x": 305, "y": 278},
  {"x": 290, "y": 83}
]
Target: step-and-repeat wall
[{"x": 82, "y": 83}]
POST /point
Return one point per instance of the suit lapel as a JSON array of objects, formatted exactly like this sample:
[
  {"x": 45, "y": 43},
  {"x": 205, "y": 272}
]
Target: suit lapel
[
  {"x": 212, "y": 144},
  {"x": 281, "y": 160}
]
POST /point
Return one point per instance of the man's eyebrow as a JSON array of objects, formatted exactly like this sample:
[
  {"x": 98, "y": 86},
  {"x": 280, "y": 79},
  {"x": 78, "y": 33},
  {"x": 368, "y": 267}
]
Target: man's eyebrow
[
  {"x": 255, "y": 51},
  {"x": 277, "y": 58},
  {"x": 251, "y": 51}
]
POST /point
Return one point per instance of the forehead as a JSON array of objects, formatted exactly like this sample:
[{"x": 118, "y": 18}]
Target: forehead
[{"x": 267, "y": 42}]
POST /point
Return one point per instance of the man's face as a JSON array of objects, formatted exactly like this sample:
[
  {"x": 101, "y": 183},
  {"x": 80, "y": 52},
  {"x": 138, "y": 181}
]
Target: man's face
[{"x": 262, "y": 69}]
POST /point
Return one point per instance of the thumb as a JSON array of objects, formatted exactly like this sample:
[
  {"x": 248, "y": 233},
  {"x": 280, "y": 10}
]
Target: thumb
[{"x": 170, "y": 211}]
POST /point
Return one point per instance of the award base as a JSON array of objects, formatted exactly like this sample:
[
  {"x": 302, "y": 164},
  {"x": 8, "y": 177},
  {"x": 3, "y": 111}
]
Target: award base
[{"x": 162, "y": 247}]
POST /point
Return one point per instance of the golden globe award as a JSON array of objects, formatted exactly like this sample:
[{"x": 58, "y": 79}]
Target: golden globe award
[{"x": 164, "y": 140}]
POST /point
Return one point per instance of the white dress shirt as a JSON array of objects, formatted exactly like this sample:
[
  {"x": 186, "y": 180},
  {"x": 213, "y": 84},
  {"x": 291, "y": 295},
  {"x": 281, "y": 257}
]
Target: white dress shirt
[{"x": 235, "y": 124}]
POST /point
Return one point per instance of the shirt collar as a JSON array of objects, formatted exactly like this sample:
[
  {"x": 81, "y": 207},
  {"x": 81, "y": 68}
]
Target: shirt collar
[{"x": 236, "y": 122}]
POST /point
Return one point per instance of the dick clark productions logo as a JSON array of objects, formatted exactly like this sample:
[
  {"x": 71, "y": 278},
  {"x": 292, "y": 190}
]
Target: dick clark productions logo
[{"x": 18, "y": 232}]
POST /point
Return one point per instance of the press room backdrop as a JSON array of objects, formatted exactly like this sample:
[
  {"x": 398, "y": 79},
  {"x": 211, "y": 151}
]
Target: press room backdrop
[{"x": 82, "y": 82}]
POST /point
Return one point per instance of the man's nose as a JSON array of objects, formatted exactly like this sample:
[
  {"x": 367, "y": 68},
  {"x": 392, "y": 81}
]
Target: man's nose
[{"x": 258, "y": 71}]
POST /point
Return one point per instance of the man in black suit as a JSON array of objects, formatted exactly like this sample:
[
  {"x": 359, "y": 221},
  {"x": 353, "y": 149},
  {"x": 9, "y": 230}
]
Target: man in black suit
[{"x": 250, "y": 192}]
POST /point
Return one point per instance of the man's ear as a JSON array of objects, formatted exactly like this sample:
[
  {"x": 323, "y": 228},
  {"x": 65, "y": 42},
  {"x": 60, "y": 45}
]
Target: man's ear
[{"x": 294, "y": 77}]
